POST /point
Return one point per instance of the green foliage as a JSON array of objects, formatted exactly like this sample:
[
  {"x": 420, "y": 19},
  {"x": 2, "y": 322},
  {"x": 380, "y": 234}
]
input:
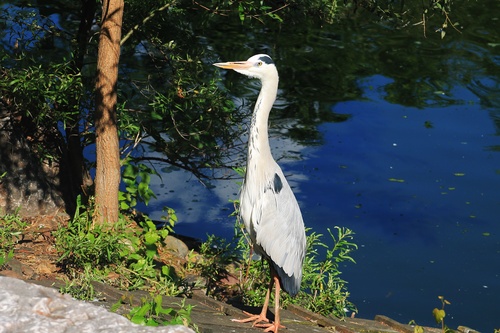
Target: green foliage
[
  {"x": 5, "y": 257},
  {"x": 216, "y": 255},
  {"x": 42, "y": 90},
  {"x": 322, "y": 289},
  {"x": 80, "y": 284},
  {"x": 194, "y": 115},
  {"x": 81, "y": 243},
  {"x": 11, "y": 228},
  {"x": 33, "y": 31},
  {"x": 137, "y": 178},
  {"x": 439, "y": 315},
  {"x": 416, "y": 328},
  {"x": 442, "y": 7},
  {"x": 257, "y": 9},
  {"x": 170, "y": 218},
  {"x": 327, "y": 292},
  {"x": 145, "y": 248},
  {"x": 179, "y": 111},
  {"x": 43, "y": 95},
  {"x": 123, "y": 254},
  {"x": 274, "y": 12},
  {"x": 152, "y": 313},
  {"x": 255, "y": 283},
  {"x": 424, "y": 14}
]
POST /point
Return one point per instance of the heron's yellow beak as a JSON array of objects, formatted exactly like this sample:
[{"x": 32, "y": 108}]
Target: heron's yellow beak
[{"x": 234, "y": 65}]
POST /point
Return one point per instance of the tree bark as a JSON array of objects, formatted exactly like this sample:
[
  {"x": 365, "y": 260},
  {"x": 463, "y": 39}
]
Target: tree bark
[
  {"x": 107, "y": 178},
  {"x": 74, "y": 173}
]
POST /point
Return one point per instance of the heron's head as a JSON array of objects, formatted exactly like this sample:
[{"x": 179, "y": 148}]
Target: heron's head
[{"x": 258, "y": 66}]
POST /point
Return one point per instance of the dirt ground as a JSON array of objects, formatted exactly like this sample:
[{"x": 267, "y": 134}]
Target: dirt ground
[{"x": 35, "y": 256}]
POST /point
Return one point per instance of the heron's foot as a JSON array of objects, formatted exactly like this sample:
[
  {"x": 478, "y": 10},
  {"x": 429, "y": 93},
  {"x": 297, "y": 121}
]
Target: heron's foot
[
  {"x": 270, "y": 327},
  {"x": 260, "y": 321},
  {"x": 256, "y": 319}
]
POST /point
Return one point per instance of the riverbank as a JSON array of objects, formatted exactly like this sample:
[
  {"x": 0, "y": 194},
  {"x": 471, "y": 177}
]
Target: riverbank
[
  {"x": 35, "y": 259},
  {"x": 208, "y": 315}
]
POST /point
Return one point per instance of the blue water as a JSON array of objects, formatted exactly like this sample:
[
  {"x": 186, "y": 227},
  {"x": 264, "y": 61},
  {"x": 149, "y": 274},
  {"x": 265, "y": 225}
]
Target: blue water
[
  {"x": 423, "y": 201},
  {"x": 418, "y": 186},
  {"x": 414, "y": 171}
]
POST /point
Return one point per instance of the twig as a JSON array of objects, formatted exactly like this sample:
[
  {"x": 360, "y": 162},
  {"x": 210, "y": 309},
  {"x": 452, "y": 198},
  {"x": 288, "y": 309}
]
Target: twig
[
  {"x": 448, "y": 20},
  {"x": 146, "y": 19}
]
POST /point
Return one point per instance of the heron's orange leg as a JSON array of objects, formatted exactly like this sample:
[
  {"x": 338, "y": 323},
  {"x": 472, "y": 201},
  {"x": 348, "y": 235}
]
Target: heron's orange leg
[
  {"x": 262, "y": 316},
  {"x": 258, "y": 319},
  {"x": 276, "y": 324}
]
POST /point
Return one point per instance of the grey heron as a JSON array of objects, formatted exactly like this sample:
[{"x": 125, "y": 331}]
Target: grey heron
[{"x": 268, "y": 206}]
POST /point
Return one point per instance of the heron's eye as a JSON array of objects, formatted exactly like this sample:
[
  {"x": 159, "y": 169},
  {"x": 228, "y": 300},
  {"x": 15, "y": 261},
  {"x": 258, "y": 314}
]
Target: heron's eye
[{"x": 259, "y": 64}]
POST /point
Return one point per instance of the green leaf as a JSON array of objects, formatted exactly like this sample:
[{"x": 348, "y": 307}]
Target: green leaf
[
  {"x": 131, "y": 189},
  {"x": 241, "y": 12},
  {"x": 151, "y": 238},
  {"x": 90, "y": 237},
  {"x": 156, "y": 116},
  {"x": 129, "y": 172},
  {"x": 165, "y": 270},
  {"x": 439, "y": 315}
]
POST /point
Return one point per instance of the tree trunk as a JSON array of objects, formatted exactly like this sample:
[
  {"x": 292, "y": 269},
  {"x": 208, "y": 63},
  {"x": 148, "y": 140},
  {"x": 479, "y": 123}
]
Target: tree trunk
[
  {"x": 74, "y": 173},
  {"x": 107, "y": 178}
]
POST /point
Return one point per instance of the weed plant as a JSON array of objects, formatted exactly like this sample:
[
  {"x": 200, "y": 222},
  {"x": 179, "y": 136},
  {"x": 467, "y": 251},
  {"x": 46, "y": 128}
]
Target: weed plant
[
  {"x": 323, "y": 290},
  {"x": 216, "y": 255},
  {"x": 11, "y": 227},
  {"x": 152, "y": 313},
  {"x": 123, "y": 255},
  {"x": 439, "y": 315}
]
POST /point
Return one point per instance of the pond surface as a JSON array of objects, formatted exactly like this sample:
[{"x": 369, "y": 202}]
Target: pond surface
[{"x": 388, "y": 133}]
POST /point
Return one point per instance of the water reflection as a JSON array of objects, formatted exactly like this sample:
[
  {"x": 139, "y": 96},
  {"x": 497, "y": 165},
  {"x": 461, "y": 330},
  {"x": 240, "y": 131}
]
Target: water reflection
[
  {"x": 411, "y": 165},
  {"x": 419, "y": 197}
]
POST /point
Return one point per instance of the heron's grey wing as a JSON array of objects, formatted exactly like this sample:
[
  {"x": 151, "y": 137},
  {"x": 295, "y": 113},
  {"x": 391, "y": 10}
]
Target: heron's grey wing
[{"x": 280, "y": 230}]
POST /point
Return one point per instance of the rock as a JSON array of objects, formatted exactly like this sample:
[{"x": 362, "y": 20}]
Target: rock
[
  {"x": 26, "y": 307},
  {"x": 29, "y": 187},
  {"x": 176, "y": 246}
]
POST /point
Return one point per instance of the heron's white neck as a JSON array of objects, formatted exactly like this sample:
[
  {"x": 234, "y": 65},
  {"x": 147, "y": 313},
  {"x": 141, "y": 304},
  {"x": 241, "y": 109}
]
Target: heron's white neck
[{"x": 258, "y": 140}]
